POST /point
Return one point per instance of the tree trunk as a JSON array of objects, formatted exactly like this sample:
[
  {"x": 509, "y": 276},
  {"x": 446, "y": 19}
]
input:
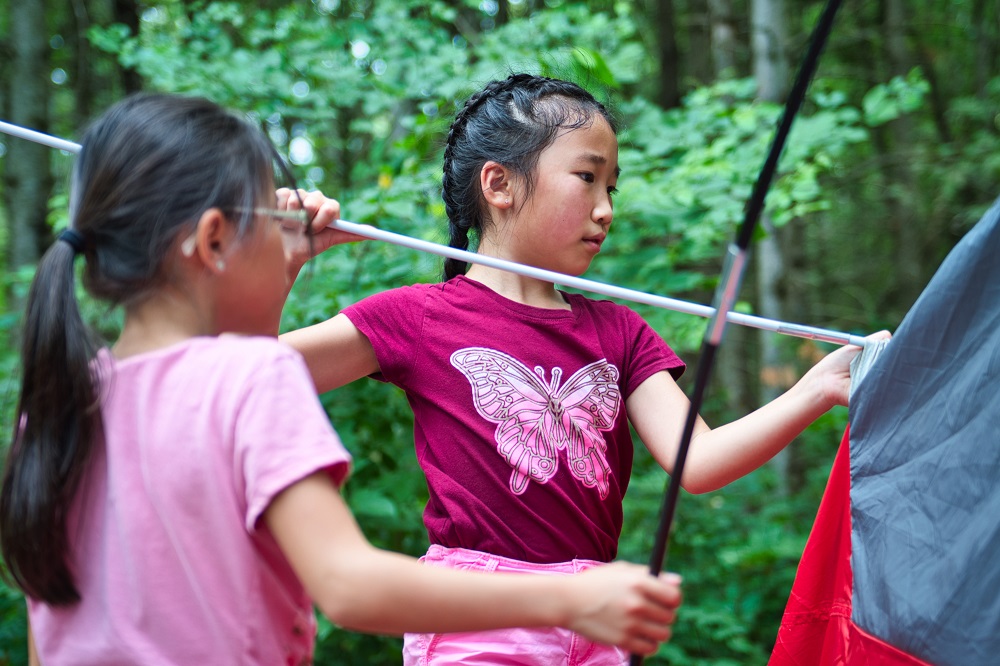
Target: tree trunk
[
  {"x": 904, "y": 219},
  {"x": 669, "y": 90},
  {"x": 770, "y": 68},
  {"x": 127, "y": 13},
  {"x": 28, "y": 181},
  {"x": 78, "y": 23},
  {"x": 466, "y": 23},
  {"x": 985, "y": 45},
  {"x": 699, "y": 57},
  {"x": 503, "y": 13},
  {"x": 737, "y": 372},
  {"x": 769, "y": 36},
  {"x": 724, "y": 42}
]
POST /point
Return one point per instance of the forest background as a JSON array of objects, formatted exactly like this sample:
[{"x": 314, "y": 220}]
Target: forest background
[{"x": 894, "y": 157}]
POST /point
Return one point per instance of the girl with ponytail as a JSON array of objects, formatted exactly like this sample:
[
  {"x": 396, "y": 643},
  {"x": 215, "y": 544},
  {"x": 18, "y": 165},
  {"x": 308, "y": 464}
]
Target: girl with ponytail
[{"x": 173, "y": 498}]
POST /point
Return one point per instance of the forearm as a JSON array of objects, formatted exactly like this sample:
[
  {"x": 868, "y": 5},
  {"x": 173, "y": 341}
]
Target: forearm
[
  {"x": 720, "y": 456},
  {"x": 383, "y": 592},
  {"x": 363, "y": 588}
]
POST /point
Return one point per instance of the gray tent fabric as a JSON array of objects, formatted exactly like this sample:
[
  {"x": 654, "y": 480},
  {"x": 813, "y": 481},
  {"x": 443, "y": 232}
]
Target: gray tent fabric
[
  {"x": 925, "y": 467},
  {"x": 864, "y": 362}
]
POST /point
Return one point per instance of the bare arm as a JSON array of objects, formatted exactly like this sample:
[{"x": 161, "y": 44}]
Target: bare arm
[
  {"x": 721, "y": 455},
  {"x": 363, "y": 588},
  {"x": 336, "y": 352}
]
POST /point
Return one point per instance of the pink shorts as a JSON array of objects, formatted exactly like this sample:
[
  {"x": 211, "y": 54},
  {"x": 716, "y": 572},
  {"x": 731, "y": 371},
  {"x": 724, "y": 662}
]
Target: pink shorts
[{"x": 506, "y": 647}]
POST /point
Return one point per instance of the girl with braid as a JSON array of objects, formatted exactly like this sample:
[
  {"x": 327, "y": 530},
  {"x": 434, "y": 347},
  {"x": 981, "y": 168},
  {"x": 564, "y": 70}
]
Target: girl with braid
[
  {"x": 522, "y": 394},
  {"x": 173, "y": 499}
]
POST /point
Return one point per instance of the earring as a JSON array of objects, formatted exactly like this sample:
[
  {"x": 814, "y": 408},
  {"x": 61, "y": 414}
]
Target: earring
[
  {"x": 220, "y": 264},
  {"x": 507, "y": 202}
]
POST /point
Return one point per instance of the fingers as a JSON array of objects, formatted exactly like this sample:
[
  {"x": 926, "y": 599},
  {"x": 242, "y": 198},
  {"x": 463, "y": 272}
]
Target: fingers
[
  {"x": 670, "y": 590},
  {"x": 653, "y": 624},
  {"x": 663, "y": 599},
  {"x": 647, "y": 645},
  {"x": 655, "y": 614},
  {"x": 321, "y": 209},
  {"x": 282, "y": 194}
]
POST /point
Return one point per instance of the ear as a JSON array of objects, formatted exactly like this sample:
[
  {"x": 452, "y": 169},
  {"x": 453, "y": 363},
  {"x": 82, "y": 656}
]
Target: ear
[
  {"x": 211, "y": 241},
  {"x": 495, "y": 183}
]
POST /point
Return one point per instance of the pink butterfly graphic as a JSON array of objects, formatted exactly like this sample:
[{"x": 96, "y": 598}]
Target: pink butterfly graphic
[{"x": 536, "y": 419}]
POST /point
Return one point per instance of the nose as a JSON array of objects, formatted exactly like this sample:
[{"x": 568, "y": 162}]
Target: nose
[{"x": 604, "y": 211}]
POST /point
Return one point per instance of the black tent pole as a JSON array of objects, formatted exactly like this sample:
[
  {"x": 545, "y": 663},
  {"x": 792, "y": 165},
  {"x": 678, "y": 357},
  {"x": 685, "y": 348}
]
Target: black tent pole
[{"x": 732, "y": 276}]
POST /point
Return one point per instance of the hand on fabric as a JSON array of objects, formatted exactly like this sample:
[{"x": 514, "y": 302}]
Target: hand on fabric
[
  {"x": 621, "y": 604},
  {"x": 322, "y": 211},
  {"x": 832, "y": 375}
]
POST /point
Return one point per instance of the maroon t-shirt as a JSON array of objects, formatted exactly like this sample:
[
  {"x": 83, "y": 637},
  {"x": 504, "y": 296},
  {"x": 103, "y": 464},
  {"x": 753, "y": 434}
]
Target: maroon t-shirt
[{"x": 519, "y": 413}]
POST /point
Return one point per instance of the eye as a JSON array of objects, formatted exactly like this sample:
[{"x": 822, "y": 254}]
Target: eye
[
  {"x": 586, "y": 176},
  {"x": 612, "y": 191}
]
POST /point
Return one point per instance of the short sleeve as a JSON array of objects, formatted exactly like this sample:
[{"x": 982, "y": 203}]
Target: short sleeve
[
  {"x": 648, "y": 353},
  {"x": 393, "y": 323},
  {"x": 282, "y": 434}
]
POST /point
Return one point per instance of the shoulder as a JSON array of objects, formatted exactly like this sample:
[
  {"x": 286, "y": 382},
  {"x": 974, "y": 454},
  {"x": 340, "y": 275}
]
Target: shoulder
[
  {"x": 606, "y": 311},
  {"x": 407, "y": 305},
  {"x": 251, "y": 358},
  {"x": 213, "y": 370},
  {"x": 625, "y": 329},
  {"x": 205, "y": 352},
  {"x": 399, "y": 296},
  {"x": 253, "y": 350}
]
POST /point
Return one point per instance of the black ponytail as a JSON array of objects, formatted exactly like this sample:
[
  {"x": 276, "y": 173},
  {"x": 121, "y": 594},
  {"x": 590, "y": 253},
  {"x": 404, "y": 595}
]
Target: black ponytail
[
  {"x": 54, "y": 435},
  {"x": 509, "y": 122},
  {"x": 148, "y": 169}
]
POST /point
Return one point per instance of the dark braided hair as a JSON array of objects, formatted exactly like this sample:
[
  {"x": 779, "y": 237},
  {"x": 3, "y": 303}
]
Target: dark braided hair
[{"x": 509, "y": 122}]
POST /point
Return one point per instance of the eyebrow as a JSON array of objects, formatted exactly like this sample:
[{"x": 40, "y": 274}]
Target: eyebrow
[{"x": 594, "y": 158}]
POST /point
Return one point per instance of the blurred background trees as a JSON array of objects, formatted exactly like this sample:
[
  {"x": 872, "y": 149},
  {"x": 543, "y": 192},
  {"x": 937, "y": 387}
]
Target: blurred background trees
[{"x": 893, "y": 158}]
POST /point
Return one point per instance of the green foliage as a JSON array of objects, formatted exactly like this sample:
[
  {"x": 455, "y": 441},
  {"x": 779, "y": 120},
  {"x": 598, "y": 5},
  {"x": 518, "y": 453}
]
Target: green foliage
[
  {"x": 13, "y": 616},
  {"x": 360, "y": 94},
  {"x": 16, "y": 284},
  {"x": 13, "y": 627},
  {"x": 888, "y": 101}
]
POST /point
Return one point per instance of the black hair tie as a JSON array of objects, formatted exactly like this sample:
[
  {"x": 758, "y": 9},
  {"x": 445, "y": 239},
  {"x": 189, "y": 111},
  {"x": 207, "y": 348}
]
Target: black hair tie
[{"x": 73, "y": 238}]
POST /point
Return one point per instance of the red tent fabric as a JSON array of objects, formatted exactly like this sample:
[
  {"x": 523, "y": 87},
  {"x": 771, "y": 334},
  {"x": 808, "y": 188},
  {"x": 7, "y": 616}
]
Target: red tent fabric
[{"x": 816, "y": 629}]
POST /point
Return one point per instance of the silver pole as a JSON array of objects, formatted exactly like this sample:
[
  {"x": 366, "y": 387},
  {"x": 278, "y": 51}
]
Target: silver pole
[
  {"x": 368, "y": 231},
  {"x": 38, "y": 137}
]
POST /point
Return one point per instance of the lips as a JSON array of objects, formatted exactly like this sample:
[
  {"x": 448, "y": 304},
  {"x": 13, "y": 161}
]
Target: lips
[{"x": 595, "y": 241}]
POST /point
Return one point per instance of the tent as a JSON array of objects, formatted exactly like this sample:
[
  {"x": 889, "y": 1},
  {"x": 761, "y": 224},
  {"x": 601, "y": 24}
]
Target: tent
[{"x": 903, "y": 563}]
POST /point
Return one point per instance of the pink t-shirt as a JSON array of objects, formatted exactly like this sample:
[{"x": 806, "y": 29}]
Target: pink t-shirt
[
  {"x": 171, "y": 559},
  {"x": 519, "y": 416}
]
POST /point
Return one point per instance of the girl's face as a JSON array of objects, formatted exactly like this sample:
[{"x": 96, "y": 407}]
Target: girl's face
[
  {"x": 256, "y": 277},
  {"x": 565, "y": 220}
]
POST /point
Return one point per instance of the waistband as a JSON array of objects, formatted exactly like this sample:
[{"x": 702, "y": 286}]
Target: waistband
[{"x": 465, "y": 558}]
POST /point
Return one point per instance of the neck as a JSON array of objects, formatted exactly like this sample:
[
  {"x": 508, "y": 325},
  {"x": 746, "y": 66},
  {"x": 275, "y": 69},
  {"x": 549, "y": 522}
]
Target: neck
[
  {"x": 164, "y": 319},
  {"x": 529, "y": 291}
]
